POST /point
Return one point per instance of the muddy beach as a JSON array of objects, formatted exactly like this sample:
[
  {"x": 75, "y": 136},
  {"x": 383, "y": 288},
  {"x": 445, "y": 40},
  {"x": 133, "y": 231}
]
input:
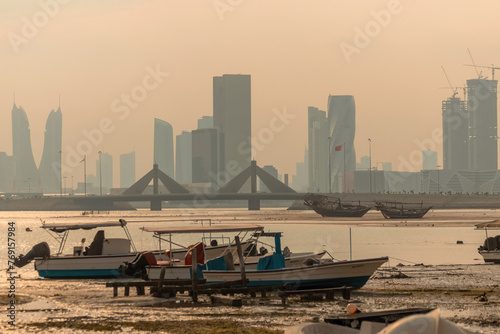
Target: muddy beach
[{"x": 467, "y": 294}]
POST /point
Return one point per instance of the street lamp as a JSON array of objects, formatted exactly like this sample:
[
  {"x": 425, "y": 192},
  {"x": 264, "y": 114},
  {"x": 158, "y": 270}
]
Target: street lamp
[
  {"x": 29, "y": 187},
  {"x": 60, "y": 171},
  {"x": 84, "y": 174},
  {"x": 100, "y": 173},
  {"x": 72, "y": 191},
  {"x": 329, "y": 165},
  {"x": 370, "y": 168},
  {"x": 64, "y": 180},
  {"x": 439, "y": 190}
]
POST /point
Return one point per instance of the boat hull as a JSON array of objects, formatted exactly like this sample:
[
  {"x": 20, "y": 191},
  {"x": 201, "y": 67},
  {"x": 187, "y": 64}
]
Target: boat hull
[
  {"x": 491, "y": 256},
  {"x": 184, "y": 272},
  {"x": 98, "y": 266},
  {"x": 353, "y": 274},
  {"x": 325, "y": 212}
]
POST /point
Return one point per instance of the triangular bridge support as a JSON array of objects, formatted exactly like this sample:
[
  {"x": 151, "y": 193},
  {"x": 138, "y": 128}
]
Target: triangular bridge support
[
  {"x": 156, "y": 175},
  {"x": 273, "y": 184}
]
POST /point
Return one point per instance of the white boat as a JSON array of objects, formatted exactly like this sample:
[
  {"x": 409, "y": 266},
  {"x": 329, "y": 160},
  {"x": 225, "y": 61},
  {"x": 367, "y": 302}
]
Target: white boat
[
  {"x": 178, "y": 268},
  {"x": 271, "y": 271},
  {"x": 490, "y": 250},
  {"x": 102, "y": 258},
  {"x": 352, "y": 274}
]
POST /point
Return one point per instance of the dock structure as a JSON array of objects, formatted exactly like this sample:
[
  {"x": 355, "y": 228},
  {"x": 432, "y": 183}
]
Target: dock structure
[{"x": 170, "y": 288}]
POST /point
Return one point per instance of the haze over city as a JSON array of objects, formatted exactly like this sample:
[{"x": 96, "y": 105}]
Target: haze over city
[{"x": 387, "y": 54}]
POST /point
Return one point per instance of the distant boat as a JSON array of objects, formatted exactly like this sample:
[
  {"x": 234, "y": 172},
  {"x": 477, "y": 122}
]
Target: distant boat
[
  {"x": 399, "y": 210},
  {"x": 329, "y": 206},
  {"x": 490, "y": 250}
]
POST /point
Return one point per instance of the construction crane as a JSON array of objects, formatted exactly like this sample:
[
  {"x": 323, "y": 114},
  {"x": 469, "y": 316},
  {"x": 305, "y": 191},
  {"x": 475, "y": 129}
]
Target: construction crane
[
  {"x": 454, "y": 89},
  {"x": 479, "y": 76},
  {"x": 492, "y": 67}
]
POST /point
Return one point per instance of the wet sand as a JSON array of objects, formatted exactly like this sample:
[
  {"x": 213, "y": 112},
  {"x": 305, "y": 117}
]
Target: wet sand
[{"x": 468, "y": 295}]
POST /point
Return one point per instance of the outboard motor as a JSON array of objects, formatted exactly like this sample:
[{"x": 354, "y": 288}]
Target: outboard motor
[
  {"x": 39, "y": 250},
  {"x": 140, "y": 262}
]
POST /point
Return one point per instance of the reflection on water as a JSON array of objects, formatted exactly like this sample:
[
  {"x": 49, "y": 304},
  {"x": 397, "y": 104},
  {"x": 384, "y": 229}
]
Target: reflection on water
[{"x": 423, "y": 244}]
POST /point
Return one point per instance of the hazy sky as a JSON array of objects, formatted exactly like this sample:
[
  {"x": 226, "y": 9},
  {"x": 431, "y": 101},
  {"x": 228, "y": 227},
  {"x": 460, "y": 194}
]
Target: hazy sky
[{"x": 388, "y": 54}]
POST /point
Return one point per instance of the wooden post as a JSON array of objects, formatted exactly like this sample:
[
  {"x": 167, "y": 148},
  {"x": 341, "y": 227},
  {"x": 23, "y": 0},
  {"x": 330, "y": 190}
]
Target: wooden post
[
  {"x": 160, "y": 282},
  {"x": 242, "y": 261},
  {"x": 194, "y": 274},
  {"x": 127, "y": 290}
]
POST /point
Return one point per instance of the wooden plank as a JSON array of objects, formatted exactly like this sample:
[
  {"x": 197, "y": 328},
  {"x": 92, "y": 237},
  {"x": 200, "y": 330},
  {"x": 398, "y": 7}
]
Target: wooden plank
[{"x": 225, "y": 301}]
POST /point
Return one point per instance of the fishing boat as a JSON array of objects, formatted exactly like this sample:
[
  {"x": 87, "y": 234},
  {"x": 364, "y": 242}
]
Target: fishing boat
[
  {"x": 153, "y": 263},
  {"x": 329, "y": 206},
  {"x": 399, "y": 210},
  {"x": 271, "y": 272},
  {"x": 102, "y": 258},
  {"x": 490, "y": 250}
]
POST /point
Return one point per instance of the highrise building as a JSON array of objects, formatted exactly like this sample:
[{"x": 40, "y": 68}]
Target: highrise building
[
  {"x": 271, "y": 170},
  {"x": 232, "y": 117},
  {"x": 24, "y": 163},
  {"x": 104, "y": 165},
  {"x": 127, "y": 169},
  {"x": 429, "y": 160},
  {"x": 205, "y": 156},
  {"x": 342, "y": 128},
  {"x": 206, "y": 122},
  {"x": 6, "y": 172},
  {"x": 364, "y": 163},
  {"x": 317, "y": 150},
  {"x": 482, "y": 109},
  {"x": 183, "y": 157},
  {"x": 49, "y": 170},
  {"x": 455, "y": 134},
  {"x": 300, "y": 179},
  {"x": 164, "y": 147}
]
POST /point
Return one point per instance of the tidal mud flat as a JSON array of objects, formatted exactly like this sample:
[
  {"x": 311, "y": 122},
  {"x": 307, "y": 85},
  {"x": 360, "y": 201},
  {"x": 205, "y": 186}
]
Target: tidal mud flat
[{"x": 468, "y": 295}]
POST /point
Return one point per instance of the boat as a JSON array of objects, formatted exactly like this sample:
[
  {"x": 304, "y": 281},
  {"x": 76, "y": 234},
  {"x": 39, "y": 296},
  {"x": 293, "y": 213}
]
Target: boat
[
  {"x": 101, "y": 259},
  {"x": 490, "y": 250},
  {"x": 329, "y": 206},
  {"x": 153, "y": 263},
  {"x": 271, "y": 272},
  {"x": 400, "y": 210}
]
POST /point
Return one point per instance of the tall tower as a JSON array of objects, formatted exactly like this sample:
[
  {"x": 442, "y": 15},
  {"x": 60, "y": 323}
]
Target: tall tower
[
  {"x": 24, "y": 163},
  {"x": 455, "y": 134},
  {"x": 164, "y": 147},
  {"x": 183, "y": 158},
  {"x": 232, "y": 117},
  {"x": 105, "y": 166},
  {"x": 482, "y": 108},
  {"x": 49, "y": 169},
  {"x": 342, "y": 128},
  {"x": 127, "y": 169},
  {"x": 317, "y": 150},
  {"x": 205, "y": 150}
]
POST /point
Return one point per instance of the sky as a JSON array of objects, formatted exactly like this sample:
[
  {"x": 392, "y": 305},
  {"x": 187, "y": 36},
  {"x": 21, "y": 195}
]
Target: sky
[{"x": 116, "y": 65}]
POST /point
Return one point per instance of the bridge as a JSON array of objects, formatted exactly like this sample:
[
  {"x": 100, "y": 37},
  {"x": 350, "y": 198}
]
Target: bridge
[{"x": 230, "y": 191}]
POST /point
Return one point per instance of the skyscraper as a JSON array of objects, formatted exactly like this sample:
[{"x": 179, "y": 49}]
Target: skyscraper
[
  {"x": 317, "y": 150},
  {"x": 482, "y": 108},
  {"x": 342, "y": 128},
  {"x": 24, "y": 163},
  {"x": 205, "y": 148},
  {"x": 455, "y": 134},
  {"x": 49, "y": 169},
  {"x": 429, "y": 160},
  {"x": 164, "y": 147},
  {"x": 127, "y": 169},
  {"x": 105, "y": 165},
  {"x": 232, "y": 117},
  {"x": 183, "y": 158},
  {"x": 206, "y": 122}
]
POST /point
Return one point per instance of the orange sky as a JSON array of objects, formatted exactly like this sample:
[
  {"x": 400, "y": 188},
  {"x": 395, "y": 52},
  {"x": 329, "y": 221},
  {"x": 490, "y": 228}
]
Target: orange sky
[{"x": 92, "y": 53}]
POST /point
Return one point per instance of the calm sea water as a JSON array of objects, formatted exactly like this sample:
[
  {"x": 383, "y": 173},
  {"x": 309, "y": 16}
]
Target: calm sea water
[{"x": 429, "y": 245}]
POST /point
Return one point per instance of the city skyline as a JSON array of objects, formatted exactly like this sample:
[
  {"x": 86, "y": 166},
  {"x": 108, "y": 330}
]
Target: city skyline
[{"x": 398, "y": 61}]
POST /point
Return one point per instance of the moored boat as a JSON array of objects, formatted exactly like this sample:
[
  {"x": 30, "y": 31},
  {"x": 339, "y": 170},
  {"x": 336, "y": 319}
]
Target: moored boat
[
  {"x": 329, "y": 206},
  {"x": 102, "y": 258},
  {"x": 400, "y": 210},
  {"x": 490, "y": 250}
]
